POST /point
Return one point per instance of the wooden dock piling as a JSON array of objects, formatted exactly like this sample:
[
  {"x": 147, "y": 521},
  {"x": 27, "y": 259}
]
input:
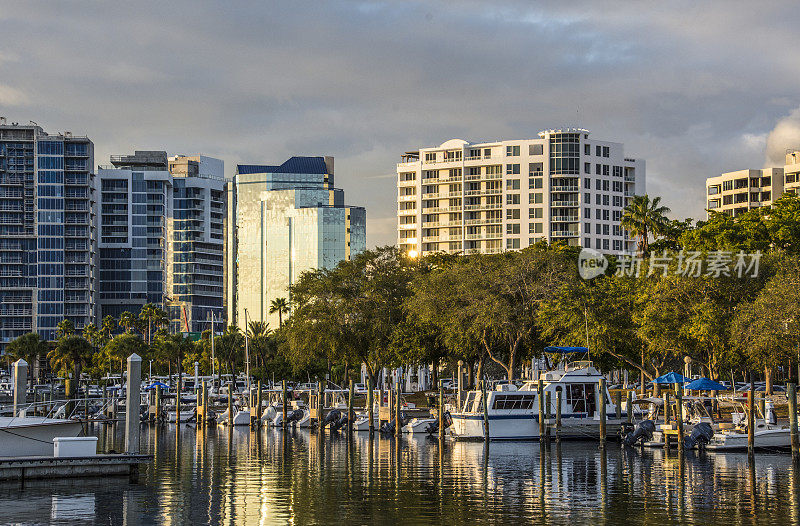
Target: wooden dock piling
[
  {"x": 540, "y": 396},
  {"x": 629, "y": 407},
  {"x": 285, "y": 404},
  {"x": 751, "y": 418},
  {"x": 791, "y": 396},
  {"x": 350, "y": 413},
  {"x": 485, "y": 411},
  {"x": 547, "y": 407},
  {"x": 602, "y": 405},
  {"x": 679, "y": 413},
  {"x": 618, "y": 404},
  {"x": 441, "y": 410},
  {"x": 370, "y": 405},
  {"x": 397, "y": 422},
  {"x": 558, "y": 414}
]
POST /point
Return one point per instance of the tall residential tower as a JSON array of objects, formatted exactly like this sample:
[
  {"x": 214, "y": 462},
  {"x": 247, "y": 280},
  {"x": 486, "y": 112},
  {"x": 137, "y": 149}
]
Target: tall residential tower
[
  {"x": 462, "y": 197},
  {"x": 46, "y": 237},
  {"x": 288, "y": 219}
]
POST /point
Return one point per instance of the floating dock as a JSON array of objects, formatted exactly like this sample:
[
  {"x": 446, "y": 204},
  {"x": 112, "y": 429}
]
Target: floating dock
[{"x": 28, "y": 468}]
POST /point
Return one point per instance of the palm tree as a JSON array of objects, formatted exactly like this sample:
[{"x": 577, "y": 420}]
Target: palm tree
[
  {"x": 126, "y": 320},
  {"x": 29, "y": 347},
  {"x": 107, "y": 329},
  {"x": 281, "y": 306},
  {"x": 92, "y": 335},
  {"x": 64, "y": 329},
  {"x": 72, "y": 352},
  {"x": 153, "y": 315},
  {"x": 258, "y": 332},
  {"x": 643, "y": 218},
  {"x": 122, "y": 346}
]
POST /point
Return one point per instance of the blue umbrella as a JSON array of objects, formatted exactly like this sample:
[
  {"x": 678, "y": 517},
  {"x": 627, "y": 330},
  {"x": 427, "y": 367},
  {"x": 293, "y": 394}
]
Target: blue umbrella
[
  {"x": 670, "y": 378},
  {"x": 566, "y": 350},
  {"x": 704, "y": 384},
  {"x": 157, "y": 384}
]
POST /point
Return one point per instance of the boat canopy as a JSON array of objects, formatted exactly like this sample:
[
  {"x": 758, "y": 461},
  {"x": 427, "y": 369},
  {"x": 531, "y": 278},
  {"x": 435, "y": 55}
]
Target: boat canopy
[
  {"x": 704, "y": 384},
  {"x": 670, "y": 378},
  {"x": 565, "y": 350}
]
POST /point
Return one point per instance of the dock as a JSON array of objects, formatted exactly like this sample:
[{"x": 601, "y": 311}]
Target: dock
[{"x": 28, "y": 468}]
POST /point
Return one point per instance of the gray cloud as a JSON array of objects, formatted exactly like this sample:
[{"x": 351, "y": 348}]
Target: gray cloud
[{"x": 693, "y": 88}]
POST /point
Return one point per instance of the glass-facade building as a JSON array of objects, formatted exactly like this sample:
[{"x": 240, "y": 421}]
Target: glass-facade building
[
  {"x": 195, "y": 269},
  {"x": 135, "y": 202},
  {"x": 46, "y": 231},
  {"x": 285, "y": 220}
]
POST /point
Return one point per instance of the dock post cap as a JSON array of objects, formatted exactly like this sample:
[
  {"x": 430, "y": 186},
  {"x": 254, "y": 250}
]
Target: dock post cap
[{"x": 134, "y": 358}]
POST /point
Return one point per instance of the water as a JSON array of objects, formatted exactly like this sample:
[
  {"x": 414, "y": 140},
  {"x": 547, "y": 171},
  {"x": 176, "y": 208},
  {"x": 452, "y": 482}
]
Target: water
[{"x": 237, "y": 477}]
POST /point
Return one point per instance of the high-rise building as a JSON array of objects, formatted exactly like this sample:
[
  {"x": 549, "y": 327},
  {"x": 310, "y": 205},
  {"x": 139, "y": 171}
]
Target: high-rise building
[
  {"x": 288, "y": 219},
  {"x": 195, "y": 267},
  {"x": 135, "y": 206},
  {"x": 463, "y": 197},
  {"x": 791, "y": 171},
  {"x": 735, "y": 193},
  {"x": 46, "y": 237}
]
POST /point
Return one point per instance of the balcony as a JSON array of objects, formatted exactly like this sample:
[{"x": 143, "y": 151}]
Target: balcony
[
  {"x": 407, "y": 198},
  {"x": 564, "y": 203},
  {"x": 16, "y": 312},
  {"x": 564, "y": 233},
  {"x": 486, "y": 206},
  {"x": 431, "y": 196},
  {"x": 564, "y": 219},
  {"x": 562, "y": 188}
]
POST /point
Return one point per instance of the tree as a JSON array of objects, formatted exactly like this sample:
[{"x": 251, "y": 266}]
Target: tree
[
  {"x": 107, "y": 329},
  {"x": 229, "y": 348},
  {"x": 71, "y": 353},
  {"x": 127, "y": 321},
  {"x": 643, "y": 218},
  {"x": 29, "y": 347},
  {"x": 64, "y": 329},
  {"x": 281, "y": 306},
  {"x": 348, "y": 314},
  {"x": 92, "y": 335},
  {"x": 122, "y": 346}
]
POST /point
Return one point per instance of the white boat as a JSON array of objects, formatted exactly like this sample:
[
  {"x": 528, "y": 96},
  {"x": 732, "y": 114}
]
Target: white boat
[
  {"x": 186, "y": 416},
  {"x": 241, "y": 417},
  {"x": 418, "y": 425},
  {"x": 767, "y": 436},
  {"x": 514, "y": 413},
  {"x": 361, "y": 423},
  {"x": 33, "y": 435}
]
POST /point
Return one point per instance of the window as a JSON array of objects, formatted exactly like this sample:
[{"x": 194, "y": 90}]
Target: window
[
  {"x": 617, "y": 200},
  {"x": 494, "y": 170},
  {"x": 605, "y": 169},
  {"x": 512, "y": 151},
  {"x": 512, "y": 213},
  {"x": 598, "y": 184},
  {"x": 587, "y": 184},
  {"x": 587, "y": 213},
  {"x": 605, "y": 186},
  {"x": 535, "y": 169},
  {"x": 714, "y": 203},
  {"x": 587, "y": 197},
  {"x": 587, "y": 228},
  {"x": 605, "y": 215},
  {"x": 487, "y": 152},
  {"x": 535, "y": 198},
  {"x": 536, "y": 149},
  {"x": 474, "y": 170},
  {"x": 597, "y": 199},
  {"x": 617, "y": 171},
  {"x": 605, "y": 199},
  {"x": 727, "y": 199},
  {"x": 606, "y": 151},
  {"x": 617, "y": 186},
  {"x": 598, "y": 214},
  {"x": 713, "y": 190},
  {"x": 430, "y": 157},
  {"x": 617, "y": 245},
  {"x": 587, "y": 168},
  {"x": 587, "y": 149},
  {"x": 727, "y": 185},
  {"x": 512, "y": 199},
  {"x": 605, "y": 230},
  {"x": 512, "y": 169},
  {"x": 597, "y": 244},
  {"x": 598, "y": 150},
  {"x": 535, "y": 213},
  {"x": 512, "y": 229},
  {"x": 512, "y": 243},
  {"x": 513, "y": 401},
  {"x": 617, "y": 216},
  {"x": 597, "y": 169},
  {"x": 617, "y": 230},
  {"x": 512, "y": 184},
  {"x": 535, "y": 183},
  {"x": 605, "y": 244},
  {"x": 535, "y": 228}
]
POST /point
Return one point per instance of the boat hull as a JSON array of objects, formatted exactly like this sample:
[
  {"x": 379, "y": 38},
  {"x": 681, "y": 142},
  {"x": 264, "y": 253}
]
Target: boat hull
[
  {"x": 767, "y": 439},
  {"x": 526, "y": 427},
  {"x": 33, "y": 436}
]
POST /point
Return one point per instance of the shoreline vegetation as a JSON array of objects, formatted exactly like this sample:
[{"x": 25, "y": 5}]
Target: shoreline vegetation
[{"x": 496, "y": 312}]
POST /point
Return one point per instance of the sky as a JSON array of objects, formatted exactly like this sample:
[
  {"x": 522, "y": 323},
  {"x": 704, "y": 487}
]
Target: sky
[{"x": 694, "y": 88}]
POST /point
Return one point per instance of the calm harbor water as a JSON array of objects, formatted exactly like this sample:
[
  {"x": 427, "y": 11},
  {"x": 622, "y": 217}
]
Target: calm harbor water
[{"x": 239, "y": 477}]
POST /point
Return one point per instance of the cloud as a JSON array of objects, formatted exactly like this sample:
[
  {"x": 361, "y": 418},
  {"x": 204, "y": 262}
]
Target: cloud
[
  {"x": 10, "y": 96},
  {"x": 785, "y": 135},
  {"x": 690, "y": 87}
]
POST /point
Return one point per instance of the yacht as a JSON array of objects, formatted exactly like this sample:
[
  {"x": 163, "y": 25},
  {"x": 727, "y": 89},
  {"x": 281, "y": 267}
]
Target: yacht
[
  {"x": 22, "y": 436},
  {"x": 514, "y": 412}
]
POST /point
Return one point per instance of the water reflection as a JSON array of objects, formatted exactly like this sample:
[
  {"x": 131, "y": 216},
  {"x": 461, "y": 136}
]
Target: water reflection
[{"x": 224, "y": 475}]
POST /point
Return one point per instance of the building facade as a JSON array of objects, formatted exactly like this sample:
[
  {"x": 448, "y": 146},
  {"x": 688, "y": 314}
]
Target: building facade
[
  {"x": 288, "y": 219},
  {"x": 135, "y": 201},
  {"x": 46, "y": 231},
  {"x": 791, "y": 172},
  {"x": 195, "y": 267},
  {"x": 734, "y": 193},
  {"x": 463, "y": 197}
]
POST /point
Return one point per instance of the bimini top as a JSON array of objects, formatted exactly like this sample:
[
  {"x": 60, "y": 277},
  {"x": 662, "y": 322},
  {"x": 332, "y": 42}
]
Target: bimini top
[
  {"x": 295, "y": 165},
  {"x": 566, "y": 350}
]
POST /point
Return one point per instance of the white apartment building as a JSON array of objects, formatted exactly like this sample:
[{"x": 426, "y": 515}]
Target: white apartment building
[
  {"x": 463, "y": 197},
  {"x": 734, "y": 193},
  {"x": 791, "y": 172}
]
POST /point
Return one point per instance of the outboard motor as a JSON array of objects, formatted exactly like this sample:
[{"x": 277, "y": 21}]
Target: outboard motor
[
  {"x": 643, "y": 431},
  {"x": 331, "y": 417},
  {"x": 294, "y": 416},
  {"x": 336, "y": 426},
  {"x": 769, "y": 409},
  {"x": 701, "y": 435},
  {"x": 433, "y": 428},
  {"x": 387, "y": 428}
]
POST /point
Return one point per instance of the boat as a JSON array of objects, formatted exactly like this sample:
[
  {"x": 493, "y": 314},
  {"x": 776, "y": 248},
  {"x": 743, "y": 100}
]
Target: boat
[
  {"x": 768, "y": 434},
  {"x": 418, "y": 425},
  {"x": 23, "y": 436},
  {"x": 514, "y": 412},
  {"x": 361, "y": 423},
  {"x": 186, "y": 416}
]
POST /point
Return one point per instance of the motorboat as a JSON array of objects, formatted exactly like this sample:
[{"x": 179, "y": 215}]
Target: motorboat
[
  {"x": 768, "y": 434},
  {"x": 22, "y": 436},
  {"x": 419, "y": 425},
  {"x": 513, "y": 412},
  {"x": 186, "y": 416},
  {"x": 361, "y": 423}
]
